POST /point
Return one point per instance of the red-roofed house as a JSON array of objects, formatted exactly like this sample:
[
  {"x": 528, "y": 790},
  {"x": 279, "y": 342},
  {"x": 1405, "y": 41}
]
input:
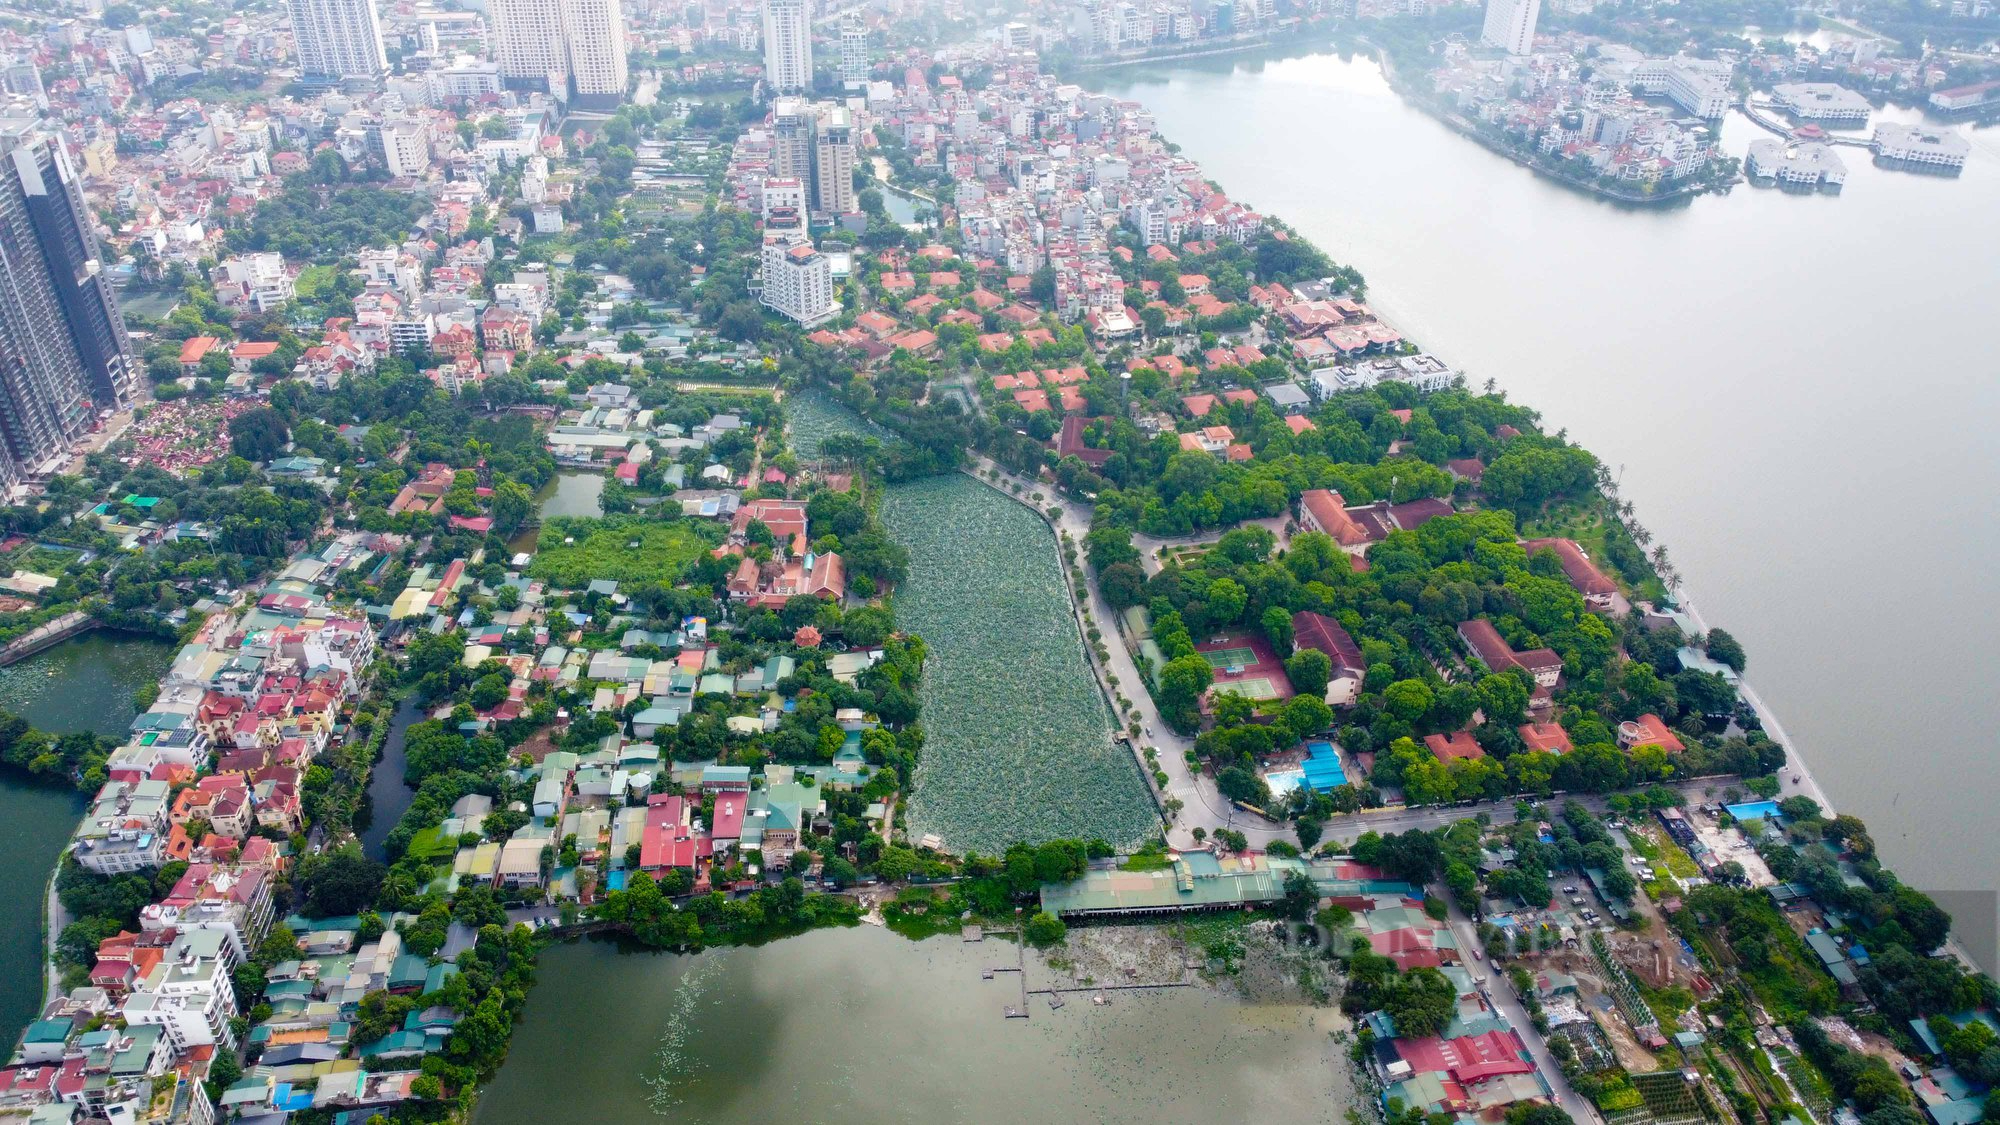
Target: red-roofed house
[
  {"x": 1648, "y": 730},
  {"x": 1323, "y": 633},
  {"x": 1459, "y": 744},
  {"x": 1486, "y": 643},
  {"x": 1549, "y": 737},
  {"x": 1322, "y": 509},
  {"x": 1597, "y": 590},
  {"x": 193, "y": 349}
]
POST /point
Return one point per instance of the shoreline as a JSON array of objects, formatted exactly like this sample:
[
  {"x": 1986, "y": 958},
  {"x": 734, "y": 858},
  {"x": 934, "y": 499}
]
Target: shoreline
[
  {"x": 1464, "y": 129},
  {"x": 1795, "y": 757}
]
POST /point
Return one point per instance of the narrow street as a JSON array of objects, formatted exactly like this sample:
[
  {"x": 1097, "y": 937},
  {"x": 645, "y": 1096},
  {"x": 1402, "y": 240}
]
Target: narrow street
[{"x": 1499, "y": 991}]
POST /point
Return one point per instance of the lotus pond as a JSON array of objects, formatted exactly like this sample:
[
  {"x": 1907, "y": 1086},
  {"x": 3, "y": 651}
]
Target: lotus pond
[
  {"x": 1018, "y": 737},
  {"x": 812, "y": 416}
]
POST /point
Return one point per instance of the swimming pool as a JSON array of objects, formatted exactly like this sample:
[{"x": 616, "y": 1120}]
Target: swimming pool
[
  {"x": 1754, "y": 810},
  {"x": 1284, "y": 781}
]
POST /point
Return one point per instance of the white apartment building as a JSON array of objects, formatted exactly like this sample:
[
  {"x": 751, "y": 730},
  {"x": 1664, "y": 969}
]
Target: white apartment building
[
  {"x": 1921, "y": 146},
  {"x": 784, "y": 204},
  {"x": 528, "y": 42},
  {"x": 338, "y": 39},
  {"x": 853, "y": 51},
  {"x": 1804, "y": 166},
  {"x": 798, "y": 281},
  {"x": 1703, "y": 95},
  {"x": 258, "y": 282},
  {"x": 125, "y": 828},
  {"x": 188, "y": 994},
  {"x": 406, "y": 147},
  {"x": 594, "y": 33},
  {"x": 1821, "y": 101},
  {"x": 1510, "y": 25},
  {"x": 466, "y": 78},
  {"x": 787, "y": 46}
]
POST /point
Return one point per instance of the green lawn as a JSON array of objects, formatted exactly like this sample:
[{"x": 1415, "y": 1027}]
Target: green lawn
[
  {"x": 620, "y": 548},
  {"x": 313, "y": 279}
]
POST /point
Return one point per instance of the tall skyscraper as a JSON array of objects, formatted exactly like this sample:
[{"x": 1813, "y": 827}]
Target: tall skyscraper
[
  {"x": 338, "y": 39},
  {"x": 833, "y": 163},
  {"x": 853, "y": 50},
  {"x": 788, "y": 54},
  {"x": 528, "y": 42},
  {"x": 63, "y": 349},
  {"x": 1510, "y": 25},
  {"x": 595, "y": 33}
]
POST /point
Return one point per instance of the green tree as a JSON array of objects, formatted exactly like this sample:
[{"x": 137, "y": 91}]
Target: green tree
[
  {"x": 1408, "y": 699},
  {"x": 1045, "y": 929},
  {"x": 1182, "y": 682},
  {"x": 1310, "y": 670}
]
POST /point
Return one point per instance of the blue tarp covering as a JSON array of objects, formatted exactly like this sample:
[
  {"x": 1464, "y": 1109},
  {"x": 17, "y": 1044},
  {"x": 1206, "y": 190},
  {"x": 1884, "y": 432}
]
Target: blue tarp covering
[{"x": 1322, "y": 767}]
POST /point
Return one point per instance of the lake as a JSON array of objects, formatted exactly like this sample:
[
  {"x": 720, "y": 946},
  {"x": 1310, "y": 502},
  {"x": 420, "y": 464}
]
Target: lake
[
  {"x": 1796, "y": 392},
  {"x": 565, "y": 494},
  {"x": 86, "y": 683},
  {"x": 862, "y": 1027},
  {"x": 82, "y": 684}
]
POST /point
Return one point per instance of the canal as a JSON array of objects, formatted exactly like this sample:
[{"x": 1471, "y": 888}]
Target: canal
[
  {"x": 388, "y": 796},
  {"x": 862, "y": 1027},
  {"x": 84, "y": 684}
]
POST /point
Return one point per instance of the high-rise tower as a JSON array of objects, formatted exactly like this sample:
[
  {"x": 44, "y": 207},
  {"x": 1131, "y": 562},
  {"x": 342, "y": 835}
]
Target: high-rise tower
[{"x": 63, "y": 349}]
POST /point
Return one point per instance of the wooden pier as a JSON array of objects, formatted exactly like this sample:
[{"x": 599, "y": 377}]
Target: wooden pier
[{"x": 1098, "y": 993}]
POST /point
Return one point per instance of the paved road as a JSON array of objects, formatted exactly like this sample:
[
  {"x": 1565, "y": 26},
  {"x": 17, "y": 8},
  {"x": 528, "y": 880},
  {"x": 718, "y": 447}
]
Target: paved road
[
  {"x": 1400, "y": 819},
  {"x": 1500, "y": 993}
]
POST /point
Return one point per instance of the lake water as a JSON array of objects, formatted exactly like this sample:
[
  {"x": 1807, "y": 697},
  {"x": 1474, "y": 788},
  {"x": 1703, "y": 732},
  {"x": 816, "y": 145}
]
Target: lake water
[
  {"x": 572, "y": 494},
  {"x": 861, "y": 1027},
  {"x": 87, "y": 683},
  {"x": 1018, "y": 738},
  {"x": 566, "y": 494},
  {"x": 82, "y": 684},
  {"x": 1797, "y": 393}
]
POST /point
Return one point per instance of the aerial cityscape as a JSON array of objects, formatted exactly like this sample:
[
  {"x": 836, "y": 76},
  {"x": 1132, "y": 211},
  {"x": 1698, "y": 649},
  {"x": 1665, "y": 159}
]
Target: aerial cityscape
[{"x": 1069, "y": 560}]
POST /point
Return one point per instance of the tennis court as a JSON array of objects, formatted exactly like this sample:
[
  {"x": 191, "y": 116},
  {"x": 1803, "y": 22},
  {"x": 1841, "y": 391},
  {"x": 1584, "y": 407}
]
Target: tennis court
[
  {"x": 1231, "y": 657},
  {"x": 1255, "y": 688}
]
